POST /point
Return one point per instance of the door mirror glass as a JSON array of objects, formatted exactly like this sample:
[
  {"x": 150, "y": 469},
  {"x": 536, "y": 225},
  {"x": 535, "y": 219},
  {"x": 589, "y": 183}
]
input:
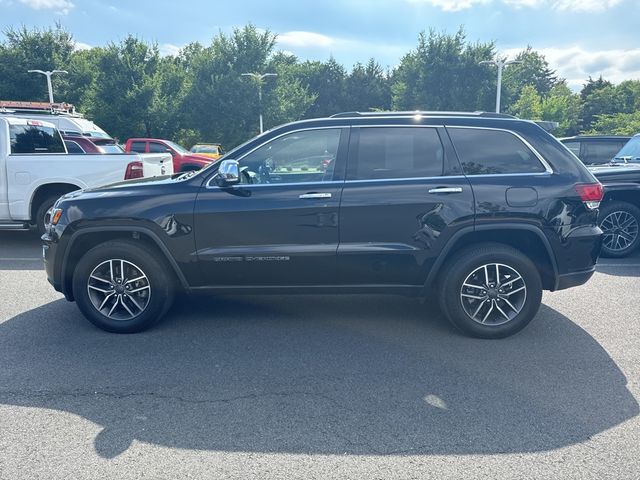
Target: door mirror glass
[{"x": 228, "y": 173}]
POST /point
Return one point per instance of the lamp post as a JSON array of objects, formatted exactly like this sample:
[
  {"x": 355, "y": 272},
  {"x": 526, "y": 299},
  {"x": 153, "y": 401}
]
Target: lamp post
[
  {"x": 259, "y": 77},
  {"x": 48, "y": 75},
  {"x": 500, "y": 63}
]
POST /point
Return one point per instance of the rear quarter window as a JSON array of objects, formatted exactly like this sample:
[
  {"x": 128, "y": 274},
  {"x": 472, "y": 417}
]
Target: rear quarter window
[
  {"x": 139, "y": 147},
  {"x": 35, "y": 139},
  {"x": 493, "y": 152}
]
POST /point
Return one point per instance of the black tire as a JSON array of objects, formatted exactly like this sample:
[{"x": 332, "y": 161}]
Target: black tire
[
  {"x": 610, "y": 219},
  {"x": 43, "y": 208},
  {"x": 454, "y": 300},
  {"x": 158, "y": 277}
]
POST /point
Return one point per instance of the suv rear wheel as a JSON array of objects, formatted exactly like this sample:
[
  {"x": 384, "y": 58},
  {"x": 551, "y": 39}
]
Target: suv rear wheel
[
  {"x": 490, "y": 291},
  {"x": 122, "y": 288},
  {"x": 620, "y": 222}
]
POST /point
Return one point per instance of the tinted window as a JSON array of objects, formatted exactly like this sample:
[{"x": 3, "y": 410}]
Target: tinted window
[
  {"x": 574, "y": 147},
  {"x": 631, "y": 149},
  {"x": 306, "y": 156},
  {"x": 595, "y": 153},
  {"x": 484, "y": 152},
  {"x": 396, "y": 152},
  {"x": 35, "y": 139},
  {"x": 157, "y": 148},
  {"x": 73, "y": 147},
  {"x": 138, "y": 147}
]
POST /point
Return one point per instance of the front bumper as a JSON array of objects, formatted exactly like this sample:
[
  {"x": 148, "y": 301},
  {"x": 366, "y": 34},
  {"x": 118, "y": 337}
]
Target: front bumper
[{"x": 49, "y": 249}]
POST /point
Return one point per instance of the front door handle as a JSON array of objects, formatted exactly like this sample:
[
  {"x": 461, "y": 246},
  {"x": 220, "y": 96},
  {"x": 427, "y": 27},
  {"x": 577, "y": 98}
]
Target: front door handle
[
  {"x": 315, "y": 195},
  {"x": 446, "y": 190}
]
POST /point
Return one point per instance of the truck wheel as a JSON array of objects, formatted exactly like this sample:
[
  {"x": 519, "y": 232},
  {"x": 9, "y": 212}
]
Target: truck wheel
[
  {"x": 41, "y": 213},
  {"x": 490, "y": 291},
  {"x": 619, "y": 221},
  {"x": 120, "y": 287}
]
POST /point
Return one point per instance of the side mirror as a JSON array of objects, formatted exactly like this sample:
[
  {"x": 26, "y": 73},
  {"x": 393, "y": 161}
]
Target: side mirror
[{"x": 228, "y": 173}]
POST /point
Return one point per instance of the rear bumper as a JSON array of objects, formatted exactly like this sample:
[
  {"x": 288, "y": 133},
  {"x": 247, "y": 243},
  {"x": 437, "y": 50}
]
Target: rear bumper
[
  {"x": 577, "y": 257},
  {"x": 574, "y": 279}
]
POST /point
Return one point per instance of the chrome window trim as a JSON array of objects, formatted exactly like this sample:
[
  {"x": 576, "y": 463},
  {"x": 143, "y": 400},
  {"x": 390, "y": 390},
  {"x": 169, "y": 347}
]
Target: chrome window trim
[
  {"x": 328, "y": 127},
  {"x": 540, "y": 158}
]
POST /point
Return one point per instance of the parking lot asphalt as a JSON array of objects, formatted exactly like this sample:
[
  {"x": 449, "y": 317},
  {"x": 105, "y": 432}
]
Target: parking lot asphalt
[{"x": 317, "y": 387}]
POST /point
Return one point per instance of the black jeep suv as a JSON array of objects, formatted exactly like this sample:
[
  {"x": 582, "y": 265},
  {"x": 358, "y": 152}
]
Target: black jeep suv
[{"x": 480, "y": 210}]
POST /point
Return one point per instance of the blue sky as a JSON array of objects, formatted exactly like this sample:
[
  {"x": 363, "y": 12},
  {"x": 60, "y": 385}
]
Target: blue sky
[{"x": 579, "y": 37}]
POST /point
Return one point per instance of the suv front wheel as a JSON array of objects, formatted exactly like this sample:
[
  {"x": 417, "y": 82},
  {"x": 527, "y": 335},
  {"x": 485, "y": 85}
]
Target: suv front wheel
[
  {"x": 490, "y": 291},
  {"x": 121, "y": 287}
]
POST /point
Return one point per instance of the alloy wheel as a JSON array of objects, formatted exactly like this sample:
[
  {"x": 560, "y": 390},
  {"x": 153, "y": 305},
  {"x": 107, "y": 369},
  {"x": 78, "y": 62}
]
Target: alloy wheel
[
  {"x": 493, "y": 294},
  {"x": 119, "y": 289},
  {"x": 620, "y": 230}
]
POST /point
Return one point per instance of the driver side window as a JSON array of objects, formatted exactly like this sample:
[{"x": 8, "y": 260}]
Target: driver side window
[{"x": 307, "y": 156}]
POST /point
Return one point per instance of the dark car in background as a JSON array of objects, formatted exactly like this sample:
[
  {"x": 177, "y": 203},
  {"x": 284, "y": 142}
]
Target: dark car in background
[
  {"x": 595, "y": 149},
  {"x": 77, "y": 144},
  {"x": 479, "y": 211}
]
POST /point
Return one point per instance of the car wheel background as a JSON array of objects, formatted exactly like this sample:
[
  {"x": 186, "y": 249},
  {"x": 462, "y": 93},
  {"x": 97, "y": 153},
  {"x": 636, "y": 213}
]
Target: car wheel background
[{"x": 620, "y": 222}]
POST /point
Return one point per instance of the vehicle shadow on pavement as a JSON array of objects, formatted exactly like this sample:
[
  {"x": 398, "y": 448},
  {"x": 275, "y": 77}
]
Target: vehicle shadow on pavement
[{"x": 359, "y": 375}]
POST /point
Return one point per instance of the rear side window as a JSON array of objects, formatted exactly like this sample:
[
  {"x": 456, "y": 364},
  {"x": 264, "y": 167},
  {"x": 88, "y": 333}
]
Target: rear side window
[
  {"x": 73, "y": 147},
  {"x": 35, "y": 139},
  {"x": 596, "y": 153},
  {"x": 396, "y": 152},
  {"x": 485, "y": 152},
  {"x": 138, "y": 147},
  {"x": 574, "y": 147}
]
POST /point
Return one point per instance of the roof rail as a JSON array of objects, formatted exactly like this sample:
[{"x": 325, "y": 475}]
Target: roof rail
[
  {"x": 421, "y": 113},
  {"x": 14, "y": 106}
]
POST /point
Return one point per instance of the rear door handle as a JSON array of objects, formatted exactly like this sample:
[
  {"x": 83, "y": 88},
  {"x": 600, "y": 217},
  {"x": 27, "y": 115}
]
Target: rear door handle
[
  {"x": 446, "y": 190},
  {"x": 315, "y": 195}
]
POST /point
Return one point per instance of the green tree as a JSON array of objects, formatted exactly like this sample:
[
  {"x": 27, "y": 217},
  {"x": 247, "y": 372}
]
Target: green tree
[
  {"x": 533, "y": 71},
  {"x": 602, "y": 101},
  {"x": 562, "y": 106},
  {"x": 529, "y": 105},
  {"x": 617, "y": 124},
  {"x": 125, "y": 89},
  {"x": 27, "y": 49},
  {"x": 443, "y": 73},
  {"x": 368, "y": 88}
]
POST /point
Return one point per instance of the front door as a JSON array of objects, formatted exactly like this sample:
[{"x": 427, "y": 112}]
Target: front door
[
  {"x": 279, "y": 226},
  {"x": 403, "y": 199}
]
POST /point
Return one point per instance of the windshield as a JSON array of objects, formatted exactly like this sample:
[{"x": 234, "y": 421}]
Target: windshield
[
  {"x": 631, "y": 151},
  {"x": 176, "y": 147},
  {"x": 111, "y": 148}
]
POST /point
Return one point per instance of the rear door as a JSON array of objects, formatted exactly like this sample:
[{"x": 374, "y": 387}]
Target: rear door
[
  {"x": 510, "y": 180},
  {"x": 403, "y": 198}
]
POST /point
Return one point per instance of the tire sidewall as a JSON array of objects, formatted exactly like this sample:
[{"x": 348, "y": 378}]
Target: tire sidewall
[
  {"x": 608, "y": 209},
  {"x": 41, "y": 212},
  {"x": 159, "y": 282},
  {"x": 460, "y": 270}
]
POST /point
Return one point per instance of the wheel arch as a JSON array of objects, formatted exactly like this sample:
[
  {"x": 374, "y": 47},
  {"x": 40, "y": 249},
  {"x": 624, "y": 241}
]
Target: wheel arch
[
  {"x": 47, "y": 190},
  {"x": 514, "y": 235},
  {"x": 83, "y": 240}
]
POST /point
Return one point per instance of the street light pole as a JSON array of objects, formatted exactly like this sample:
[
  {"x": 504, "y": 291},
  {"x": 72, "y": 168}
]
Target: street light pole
[
  {"x": 260, "y": 79},
  {"x": 500, "y": 63},
  {"x": 48, "y": 75}
]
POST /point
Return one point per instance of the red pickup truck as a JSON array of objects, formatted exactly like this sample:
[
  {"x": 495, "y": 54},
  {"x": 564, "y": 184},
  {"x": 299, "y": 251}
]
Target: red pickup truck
[{"x": 183, "y": 160}]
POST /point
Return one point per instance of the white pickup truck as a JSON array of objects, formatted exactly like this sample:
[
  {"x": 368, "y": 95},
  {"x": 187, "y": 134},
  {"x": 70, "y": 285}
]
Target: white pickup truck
[{"x": 35, "y": 170}]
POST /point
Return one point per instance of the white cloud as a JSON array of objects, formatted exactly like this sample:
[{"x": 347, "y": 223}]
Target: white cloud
[
  {"x": 60, "y": 6},
  {"x": 81, "y": 46},
  {"x": 305, "y": 39},
  {"x": 562, "y": 5},
  {"x": 576, "y": 64},
  {"x": 167, "y": 49}
]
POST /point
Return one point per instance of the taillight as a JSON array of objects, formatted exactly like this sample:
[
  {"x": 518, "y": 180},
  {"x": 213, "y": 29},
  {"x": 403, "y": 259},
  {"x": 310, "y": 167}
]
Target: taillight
[
  {"x": 591, "y": 194},
  {"x": 134, "y": 170}
]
